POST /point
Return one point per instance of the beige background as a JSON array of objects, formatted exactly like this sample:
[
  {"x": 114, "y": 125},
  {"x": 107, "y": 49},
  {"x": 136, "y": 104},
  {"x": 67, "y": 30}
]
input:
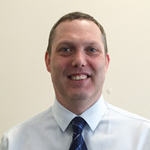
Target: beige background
[{"x": 25, "y": 85}]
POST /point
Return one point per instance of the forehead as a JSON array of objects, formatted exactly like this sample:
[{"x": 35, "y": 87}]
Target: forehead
[
  {"x": 82, "y": 28},
  {"x": 77, "y": 23},
  {"x": 77, "y": 33}
]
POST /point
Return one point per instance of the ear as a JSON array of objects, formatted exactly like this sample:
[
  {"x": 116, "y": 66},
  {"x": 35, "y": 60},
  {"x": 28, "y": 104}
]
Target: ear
[
  {"x": 47, "y": 61},
  {"x": 107, "y": 63}
]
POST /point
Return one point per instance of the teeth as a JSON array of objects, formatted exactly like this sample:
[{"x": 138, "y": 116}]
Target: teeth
[{"x": 81, "y": 77}]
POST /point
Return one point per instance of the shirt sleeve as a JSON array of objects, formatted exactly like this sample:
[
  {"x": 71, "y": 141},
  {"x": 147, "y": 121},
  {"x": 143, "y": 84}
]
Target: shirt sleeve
[{"x": 4, "y": 143}]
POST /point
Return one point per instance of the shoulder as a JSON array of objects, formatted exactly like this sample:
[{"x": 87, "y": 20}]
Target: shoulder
[
  {"x": 124, "y": 115},
  {"x": 34, "y": 122},
  {"x": 24, "y": 133}
]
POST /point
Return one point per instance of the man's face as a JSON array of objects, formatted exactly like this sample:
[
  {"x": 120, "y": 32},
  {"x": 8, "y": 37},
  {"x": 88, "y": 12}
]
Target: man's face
[{"x": 78, "y": 62}]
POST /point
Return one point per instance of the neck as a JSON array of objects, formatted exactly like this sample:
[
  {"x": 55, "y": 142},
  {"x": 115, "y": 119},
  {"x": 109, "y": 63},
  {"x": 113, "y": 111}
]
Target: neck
[{"x": 77, "y": 106}]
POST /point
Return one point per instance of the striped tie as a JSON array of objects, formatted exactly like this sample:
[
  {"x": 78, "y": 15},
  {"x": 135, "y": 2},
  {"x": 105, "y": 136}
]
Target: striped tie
[{"x": 78, "y": 143}]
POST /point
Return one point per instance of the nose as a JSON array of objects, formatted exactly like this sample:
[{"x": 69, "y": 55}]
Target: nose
[{"x": 79, "y": 59}]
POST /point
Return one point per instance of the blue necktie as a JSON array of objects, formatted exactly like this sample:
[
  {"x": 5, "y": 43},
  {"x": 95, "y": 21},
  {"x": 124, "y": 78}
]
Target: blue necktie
[{"x": 78, "y": 143}]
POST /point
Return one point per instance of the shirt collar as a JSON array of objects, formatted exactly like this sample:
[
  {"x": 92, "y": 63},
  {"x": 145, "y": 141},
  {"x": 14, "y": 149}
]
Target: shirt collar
[
  {"x": 62, "y": 115},
  {"x": 92, "y": 115}
]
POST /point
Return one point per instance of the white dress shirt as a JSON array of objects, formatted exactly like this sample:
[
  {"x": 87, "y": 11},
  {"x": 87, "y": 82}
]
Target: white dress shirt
[{"x": 108, "y": 128}]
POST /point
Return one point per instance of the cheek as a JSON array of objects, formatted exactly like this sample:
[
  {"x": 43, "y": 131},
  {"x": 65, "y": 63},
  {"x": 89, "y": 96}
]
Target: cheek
[
  {"x": 57, "y": 67},
  {"x": 99, "y": 73},
  {"x": 98, "y": 66}
]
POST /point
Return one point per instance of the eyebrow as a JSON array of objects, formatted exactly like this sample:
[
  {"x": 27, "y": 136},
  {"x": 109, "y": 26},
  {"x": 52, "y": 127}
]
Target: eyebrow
[
  {"x": 66, "y": 43},
  {"x": 73, "y": 43}
]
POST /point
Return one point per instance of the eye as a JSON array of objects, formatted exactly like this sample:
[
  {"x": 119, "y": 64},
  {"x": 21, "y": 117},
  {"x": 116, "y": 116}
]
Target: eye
[
  {"x": 92, "y": 50},
  {"x": 65, "y": 49}
]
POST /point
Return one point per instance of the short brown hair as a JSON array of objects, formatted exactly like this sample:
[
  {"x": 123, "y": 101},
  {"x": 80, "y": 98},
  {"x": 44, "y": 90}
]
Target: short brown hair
[{"x": 73, "y": 16}]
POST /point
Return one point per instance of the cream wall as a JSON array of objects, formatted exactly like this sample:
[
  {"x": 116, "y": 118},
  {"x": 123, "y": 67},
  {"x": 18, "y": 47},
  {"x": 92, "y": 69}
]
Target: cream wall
[{"x": 25, "y": 85}]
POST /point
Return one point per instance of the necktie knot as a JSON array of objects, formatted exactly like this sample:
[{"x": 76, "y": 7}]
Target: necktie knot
[{"x": 78, "y": 124}]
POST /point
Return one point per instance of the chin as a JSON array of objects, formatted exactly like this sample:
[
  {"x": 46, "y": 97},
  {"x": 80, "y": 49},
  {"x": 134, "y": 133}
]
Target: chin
[{"x": 79, "y": 96}]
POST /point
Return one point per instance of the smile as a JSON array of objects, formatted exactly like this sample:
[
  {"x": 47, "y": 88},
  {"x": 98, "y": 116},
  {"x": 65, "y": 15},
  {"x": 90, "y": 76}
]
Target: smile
[{"x": 78, "y": 77}]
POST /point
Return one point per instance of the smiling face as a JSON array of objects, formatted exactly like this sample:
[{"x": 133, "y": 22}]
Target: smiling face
[{"x": 78, "y": 62}]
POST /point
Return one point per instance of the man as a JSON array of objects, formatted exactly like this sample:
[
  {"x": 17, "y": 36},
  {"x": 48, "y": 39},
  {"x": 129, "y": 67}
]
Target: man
[{"x": 77, "y": 58}]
